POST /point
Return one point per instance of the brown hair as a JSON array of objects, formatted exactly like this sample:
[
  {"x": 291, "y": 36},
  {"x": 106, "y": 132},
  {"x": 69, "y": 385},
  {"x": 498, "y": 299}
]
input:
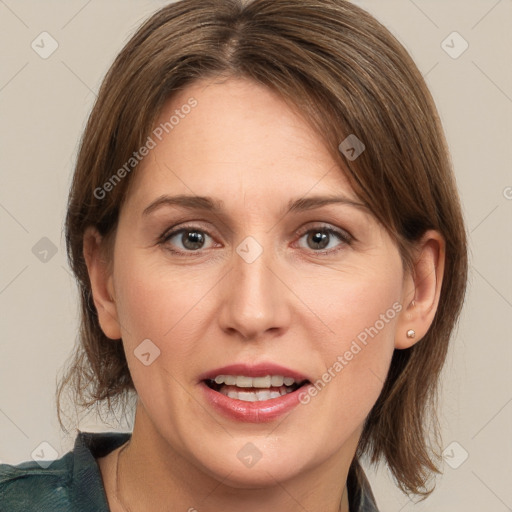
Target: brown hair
[{"x": 346, "y": 74}]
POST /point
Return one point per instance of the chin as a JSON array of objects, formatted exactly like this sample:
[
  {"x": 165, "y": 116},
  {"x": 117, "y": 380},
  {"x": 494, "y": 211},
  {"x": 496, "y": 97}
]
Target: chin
[
  {"x": 255, "y": 478},
  {"x": 250, "y": 468}
]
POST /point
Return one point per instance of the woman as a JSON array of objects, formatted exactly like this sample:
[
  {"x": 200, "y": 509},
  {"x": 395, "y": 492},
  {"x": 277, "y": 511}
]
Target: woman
[{"x": 267, "y": 236}]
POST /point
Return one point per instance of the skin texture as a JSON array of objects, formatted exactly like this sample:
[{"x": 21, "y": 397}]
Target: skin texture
[{"x": 295, "y": 305}]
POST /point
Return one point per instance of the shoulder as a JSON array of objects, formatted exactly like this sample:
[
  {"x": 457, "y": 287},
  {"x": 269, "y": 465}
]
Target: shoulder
[
  {"x": 28, "y": 486},
  {"x": 72, "y": 482}
]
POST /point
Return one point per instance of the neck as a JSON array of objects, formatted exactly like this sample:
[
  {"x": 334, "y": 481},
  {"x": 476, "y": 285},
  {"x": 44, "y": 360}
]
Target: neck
[{"x": 153, "y": 476}]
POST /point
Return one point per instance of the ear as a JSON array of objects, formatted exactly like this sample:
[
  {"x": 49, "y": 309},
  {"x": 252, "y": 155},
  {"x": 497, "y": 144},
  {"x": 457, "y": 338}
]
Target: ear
[
  {"x": 422, "y": 289},
  {"x": 101, "y": 284}
]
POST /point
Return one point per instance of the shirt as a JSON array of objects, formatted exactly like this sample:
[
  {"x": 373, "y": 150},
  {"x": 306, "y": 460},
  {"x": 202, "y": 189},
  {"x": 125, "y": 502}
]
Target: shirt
[{"x": 73, "y": 483}]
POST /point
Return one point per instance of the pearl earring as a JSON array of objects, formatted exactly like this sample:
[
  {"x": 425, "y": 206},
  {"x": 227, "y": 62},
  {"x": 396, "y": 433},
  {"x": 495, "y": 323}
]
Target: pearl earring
[{"x": 411, "y": 333}]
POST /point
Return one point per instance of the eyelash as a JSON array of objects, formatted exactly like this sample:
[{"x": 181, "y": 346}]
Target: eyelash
[{"x": 344, "y": 237}]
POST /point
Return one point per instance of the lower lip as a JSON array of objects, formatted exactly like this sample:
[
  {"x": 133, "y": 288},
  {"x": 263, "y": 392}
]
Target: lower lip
[{"x": 252, "y": 412}]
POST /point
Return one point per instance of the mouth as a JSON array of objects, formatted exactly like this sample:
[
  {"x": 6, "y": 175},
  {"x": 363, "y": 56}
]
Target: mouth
[
  {"x": 253, "y": 394},
  {"x": 254, "y": 389}
]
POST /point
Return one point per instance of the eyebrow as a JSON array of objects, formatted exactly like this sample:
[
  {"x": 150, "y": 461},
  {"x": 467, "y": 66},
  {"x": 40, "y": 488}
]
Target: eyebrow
[{"x": 215, "y": 206}]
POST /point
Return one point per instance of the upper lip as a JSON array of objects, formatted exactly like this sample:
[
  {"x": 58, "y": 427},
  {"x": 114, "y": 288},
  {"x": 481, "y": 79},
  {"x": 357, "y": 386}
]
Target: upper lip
[{"x": 254, "y": 370}]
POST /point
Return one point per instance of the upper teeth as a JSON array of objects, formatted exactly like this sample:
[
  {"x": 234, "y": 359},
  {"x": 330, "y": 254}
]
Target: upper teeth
[{"x": 254, "y": 382}]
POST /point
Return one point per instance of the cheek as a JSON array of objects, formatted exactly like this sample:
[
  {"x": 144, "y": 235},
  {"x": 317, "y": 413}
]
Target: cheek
[
  {"x": 156, "y": 305},
  {"x": 363, "y": 314},
  {"x": 356, "y": 304},
  {"x": 153, "y": 302},
  {"x": 167, "y": 308}
]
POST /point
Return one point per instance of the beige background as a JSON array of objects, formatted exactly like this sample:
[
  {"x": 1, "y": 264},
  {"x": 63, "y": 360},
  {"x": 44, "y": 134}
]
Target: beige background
[{"x": 44, "y": 104}]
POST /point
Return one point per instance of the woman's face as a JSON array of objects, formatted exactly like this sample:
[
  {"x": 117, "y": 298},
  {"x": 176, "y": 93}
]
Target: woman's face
[{"x": 253, "y": 268}]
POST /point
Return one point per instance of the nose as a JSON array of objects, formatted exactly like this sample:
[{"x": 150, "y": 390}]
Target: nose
[{"x": 256, "y": 299}]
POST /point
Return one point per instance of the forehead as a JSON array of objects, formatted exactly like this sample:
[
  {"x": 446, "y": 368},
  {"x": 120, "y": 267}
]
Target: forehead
[{"x": 233, "y": 137}]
